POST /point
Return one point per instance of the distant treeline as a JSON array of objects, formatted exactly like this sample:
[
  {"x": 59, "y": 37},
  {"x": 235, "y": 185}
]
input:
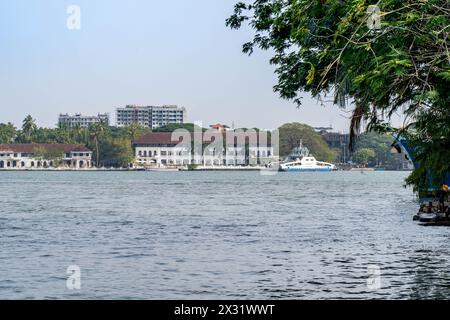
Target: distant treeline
[
  {"x": 371, "y": 149},
  {"x": 112, "y": 146}
]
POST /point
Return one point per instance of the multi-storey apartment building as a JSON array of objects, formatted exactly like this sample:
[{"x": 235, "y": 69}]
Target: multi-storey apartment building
[
  {"x": 150, "y": 116},
  {"x": 79, "y": 120}
]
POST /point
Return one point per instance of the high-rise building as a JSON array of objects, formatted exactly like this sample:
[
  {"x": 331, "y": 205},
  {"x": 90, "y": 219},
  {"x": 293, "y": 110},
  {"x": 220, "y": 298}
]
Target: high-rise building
[
  {"x": 82, "y": 121},
  {"x": 336, "y": 140},
  {"x": 150, "y": 116}
]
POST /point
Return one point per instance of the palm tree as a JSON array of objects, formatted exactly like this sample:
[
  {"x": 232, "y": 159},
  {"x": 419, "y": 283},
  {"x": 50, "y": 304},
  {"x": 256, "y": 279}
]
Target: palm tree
[
  {"x": 7, "y": 132},
  {"x": 96, "y": 131},
  {"x": 81, "y": 134},
  {"x": 135, "y": 130},
  {"x": 77, "y": 133},
  {"x": 29, "y": 128}
]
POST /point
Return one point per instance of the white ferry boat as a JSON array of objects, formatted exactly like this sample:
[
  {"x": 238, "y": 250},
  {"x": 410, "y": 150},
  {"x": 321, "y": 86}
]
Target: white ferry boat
[
  {"x": 301, "y": 161},
  {"x": 307, "y": 164}
]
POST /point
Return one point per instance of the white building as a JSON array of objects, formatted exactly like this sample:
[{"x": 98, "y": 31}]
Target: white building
[
  {"x": 82, "y": 121},
  {"x": 150, "y": 116},
  {"x": 215, "y": 149},
  {"x": 29, "y": 156}
]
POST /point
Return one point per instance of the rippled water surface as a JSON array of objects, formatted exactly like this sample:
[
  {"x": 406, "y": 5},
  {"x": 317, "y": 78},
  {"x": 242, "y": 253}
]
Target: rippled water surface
[{"x": 214, "y": 235}]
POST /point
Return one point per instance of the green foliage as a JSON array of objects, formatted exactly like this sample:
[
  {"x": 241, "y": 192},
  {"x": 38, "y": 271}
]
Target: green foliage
[
  {"x": 192, "y": 167},
  {"x": 326, "y": 47},
  {"x": 133, "y": 131},
  {"x": 97, "y": 132},
  {"x": 39, "y": 153},
  {"x": 381, "y": 144},
  {"x": 29, "y": 129},
  {"x": 7, "y": 132},
  {"x": 430, "y": 134},
  {"x": 292, "y": 134},
  {"x": 54, "y": 155},
  {"x": 111, "y": 146},
  {"x": 117, "y": 152},
  {"x": 44, "y": 154},
  {"x": 364, "y": 155}
]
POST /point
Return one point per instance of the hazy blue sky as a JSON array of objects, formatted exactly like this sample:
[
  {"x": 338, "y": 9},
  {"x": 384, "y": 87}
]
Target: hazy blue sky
[{"x": 139, "y": 52}]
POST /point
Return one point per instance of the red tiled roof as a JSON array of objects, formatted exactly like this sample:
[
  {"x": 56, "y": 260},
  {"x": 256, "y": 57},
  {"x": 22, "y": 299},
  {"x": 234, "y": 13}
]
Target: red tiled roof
[
  {"x": 165, "y": 138},
  {"x": 30, "y": 147},
  {"x": 218, "y": 126},
  {"x": 155, "y": 138}
]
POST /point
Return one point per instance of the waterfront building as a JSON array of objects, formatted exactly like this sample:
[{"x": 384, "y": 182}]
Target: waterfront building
[
  {"x": 215, "y": 149},
  {"x": 336, "y": 140},
  {"x": 82, "y": 121},
  {"x": 160, "y": 149},
  {"x": 36, "y": 155},
  {"x": 150, "y": 116}
]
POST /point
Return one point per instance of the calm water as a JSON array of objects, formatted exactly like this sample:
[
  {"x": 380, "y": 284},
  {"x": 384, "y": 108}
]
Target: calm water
[{"x": 207, "y": 235}]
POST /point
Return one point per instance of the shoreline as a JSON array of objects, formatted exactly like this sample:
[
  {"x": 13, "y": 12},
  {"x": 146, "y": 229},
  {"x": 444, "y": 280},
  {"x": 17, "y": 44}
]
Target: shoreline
[
  {"x": 213, "y": 169},
  {"x": 66, "y": 170}
]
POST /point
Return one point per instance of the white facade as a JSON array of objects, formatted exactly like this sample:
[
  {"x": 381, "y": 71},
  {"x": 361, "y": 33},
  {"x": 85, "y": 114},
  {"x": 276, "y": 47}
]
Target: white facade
[
  {"x": 158, "y": 149},
  {"x": 164, "y": 156},
  {"x": 171, "y": 155},
  {"x": 150, "y": 116},
  {"x": 11, "y": 159},
  {"x": 82, "y": 121}
]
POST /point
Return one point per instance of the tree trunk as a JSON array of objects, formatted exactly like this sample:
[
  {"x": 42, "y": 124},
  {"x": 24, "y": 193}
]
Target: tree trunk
[{"x": 98, "y": 155}]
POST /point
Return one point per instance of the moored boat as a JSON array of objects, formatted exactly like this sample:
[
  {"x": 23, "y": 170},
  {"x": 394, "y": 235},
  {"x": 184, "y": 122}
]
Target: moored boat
[
  {"x": 299, "y": 160},
  {"x": 307, "y": 164}
]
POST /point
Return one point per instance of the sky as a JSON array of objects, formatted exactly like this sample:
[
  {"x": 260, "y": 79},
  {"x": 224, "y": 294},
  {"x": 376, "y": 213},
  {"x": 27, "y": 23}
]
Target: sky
[{"x": 143, "y": 52}]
